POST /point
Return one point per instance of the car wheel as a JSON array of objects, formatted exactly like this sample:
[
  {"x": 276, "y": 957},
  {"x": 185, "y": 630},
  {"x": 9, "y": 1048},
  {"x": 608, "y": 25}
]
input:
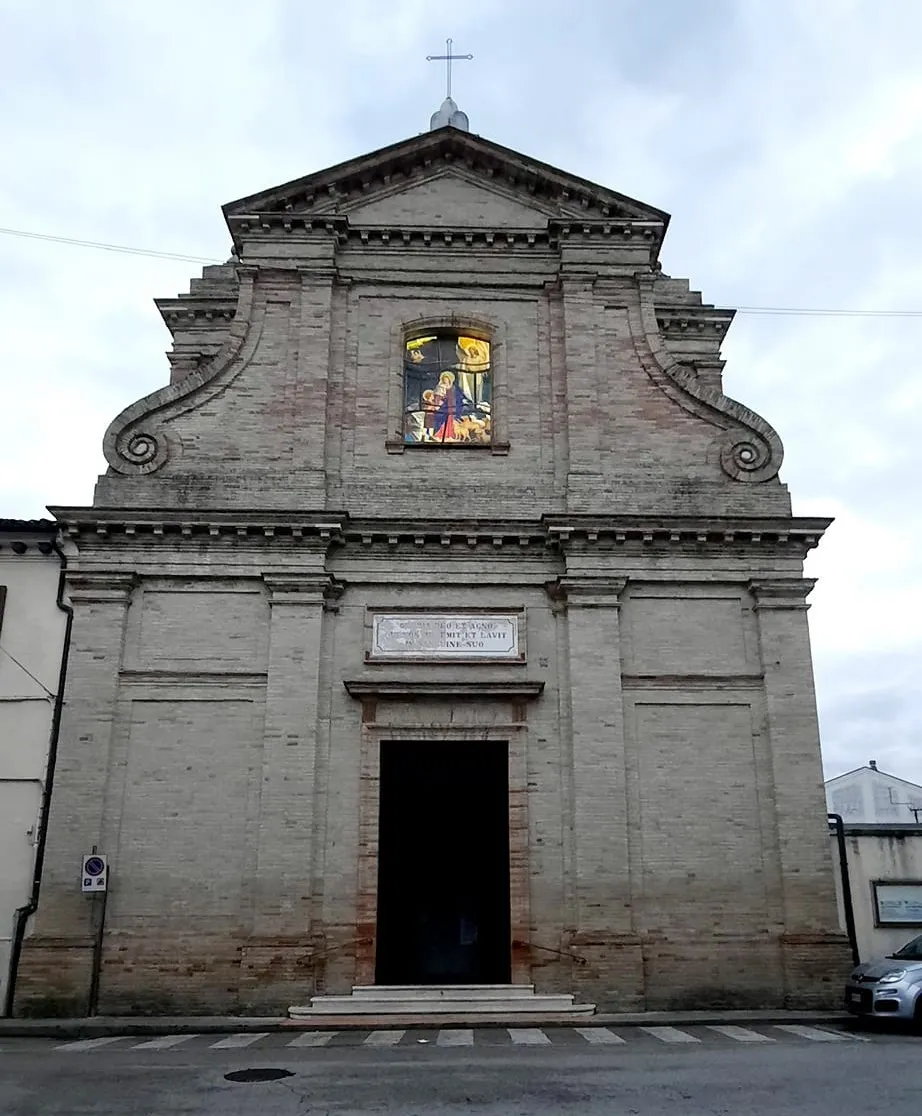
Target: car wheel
[{"x": 917, "y": 1014}]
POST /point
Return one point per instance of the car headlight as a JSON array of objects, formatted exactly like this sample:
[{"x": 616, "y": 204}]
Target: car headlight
[{"x": 893, "y": 976}]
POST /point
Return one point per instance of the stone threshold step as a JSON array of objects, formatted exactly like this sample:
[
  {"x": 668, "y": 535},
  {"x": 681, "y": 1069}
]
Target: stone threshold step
[
  {"x": 347, "y": 1006},
  {"x": 442, "y": 991},
  {"x": 317, "y": 1020}
]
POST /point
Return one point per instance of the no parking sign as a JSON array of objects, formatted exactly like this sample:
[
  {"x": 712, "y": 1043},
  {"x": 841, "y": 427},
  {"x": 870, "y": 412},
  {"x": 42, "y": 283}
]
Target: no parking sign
[{"x": 95, "y": 874}]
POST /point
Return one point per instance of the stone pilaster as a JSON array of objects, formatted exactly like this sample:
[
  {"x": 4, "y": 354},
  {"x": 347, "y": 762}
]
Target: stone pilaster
[
  {"x": 813, "y": 950},
  {"x": 313, "y": 378},
  {"x": 55, "y": 966},
  {"x": 297, "y": 602},
  {"x": 580, "y": 318},
  {"x": 599, "y": 815}
]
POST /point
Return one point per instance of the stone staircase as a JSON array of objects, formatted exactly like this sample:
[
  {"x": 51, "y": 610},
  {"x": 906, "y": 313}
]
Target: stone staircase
[{"x": 440, "y": 1003}]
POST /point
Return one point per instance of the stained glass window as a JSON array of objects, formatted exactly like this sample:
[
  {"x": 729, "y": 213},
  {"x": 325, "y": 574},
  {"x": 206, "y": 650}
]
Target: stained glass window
[{"x": 447, "y": 390}]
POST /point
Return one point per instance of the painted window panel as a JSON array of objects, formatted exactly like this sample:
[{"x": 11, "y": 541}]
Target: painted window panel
[{"x": 448, "y": 390}]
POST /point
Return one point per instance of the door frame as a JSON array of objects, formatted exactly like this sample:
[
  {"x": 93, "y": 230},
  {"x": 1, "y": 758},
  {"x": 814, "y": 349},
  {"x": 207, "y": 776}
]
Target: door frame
[{"x": 509, "y": 728}]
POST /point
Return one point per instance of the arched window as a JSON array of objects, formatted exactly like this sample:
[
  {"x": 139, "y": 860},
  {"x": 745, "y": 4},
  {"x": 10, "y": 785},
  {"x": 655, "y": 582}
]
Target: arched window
[{"x": 447, "y": 390}]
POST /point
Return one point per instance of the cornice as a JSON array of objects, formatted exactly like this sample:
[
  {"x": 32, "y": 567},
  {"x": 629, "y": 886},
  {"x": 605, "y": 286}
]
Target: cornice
[
  {"x": 322, "y": 527},
  {"x": 548, "y": 235},
  {"x": 196, "y": 310},
  {"x": 563, "y": 532},
  {"x": 681, "y": 323}
]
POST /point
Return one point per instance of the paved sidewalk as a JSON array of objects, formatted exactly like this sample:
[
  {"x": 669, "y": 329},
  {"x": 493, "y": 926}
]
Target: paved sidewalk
[{"x": 100, "y": 1025}]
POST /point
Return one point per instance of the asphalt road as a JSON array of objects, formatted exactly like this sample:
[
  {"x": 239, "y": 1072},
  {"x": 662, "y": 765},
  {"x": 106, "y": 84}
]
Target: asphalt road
[{"x": 782, "y": 1072}]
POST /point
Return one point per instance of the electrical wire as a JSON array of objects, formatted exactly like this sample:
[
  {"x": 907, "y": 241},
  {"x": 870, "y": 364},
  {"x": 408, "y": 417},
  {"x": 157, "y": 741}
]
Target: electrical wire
[{"x": 804, "y": 311}]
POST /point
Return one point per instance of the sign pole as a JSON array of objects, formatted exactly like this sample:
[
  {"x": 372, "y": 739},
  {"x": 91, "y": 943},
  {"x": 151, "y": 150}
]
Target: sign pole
[{"x": 95, "y": 879}]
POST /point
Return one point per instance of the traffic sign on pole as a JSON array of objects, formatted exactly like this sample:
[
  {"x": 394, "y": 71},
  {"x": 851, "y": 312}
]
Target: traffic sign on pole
[{"x": 95, "y": 874}]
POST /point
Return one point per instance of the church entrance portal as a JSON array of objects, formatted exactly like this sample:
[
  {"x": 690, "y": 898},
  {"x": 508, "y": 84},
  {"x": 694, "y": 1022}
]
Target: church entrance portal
[{"x": 443, "y": 864}]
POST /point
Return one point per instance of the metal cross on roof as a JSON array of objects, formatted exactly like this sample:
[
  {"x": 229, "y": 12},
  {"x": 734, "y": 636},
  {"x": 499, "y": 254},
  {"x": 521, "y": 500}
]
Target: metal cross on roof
[{"x": 448, "y": 58}]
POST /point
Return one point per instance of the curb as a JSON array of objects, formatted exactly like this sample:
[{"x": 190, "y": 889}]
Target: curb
[{"x": 104, "y": 1026}]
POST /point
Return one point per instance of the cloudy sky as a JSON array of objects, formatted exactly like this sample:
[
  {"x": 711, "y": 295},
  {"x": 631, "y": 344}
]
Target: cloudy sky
[{"x": 784, "y": 137}]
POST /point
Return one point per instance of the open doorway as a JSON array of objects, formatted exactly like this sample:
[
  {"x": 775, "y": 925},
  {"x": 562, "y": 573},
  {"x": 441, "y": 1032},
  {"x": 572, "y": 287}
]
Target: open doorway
[{"x": 443, "y": 864}]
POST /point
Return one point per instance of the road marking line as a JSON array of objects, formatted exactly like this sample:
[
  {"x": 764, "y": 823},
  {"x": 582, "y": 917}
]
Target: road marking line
[
  {"x": 384, "y": 1038},
  {"x": 234, "y": 1042},
  {"x": 163, "y": 1042},
  {"x": 598, "y": 1035},
  {"x": 670, "y": 1034},
  {"x": 816, "y": 1034},
  {"x": 450, "y": 1037},
  {"x": 528, "y": 1036},
  {"x": 89, "y": 1044},
  {"x": 741, "y": 1034},
  {"x": 312, "y": 1038}
]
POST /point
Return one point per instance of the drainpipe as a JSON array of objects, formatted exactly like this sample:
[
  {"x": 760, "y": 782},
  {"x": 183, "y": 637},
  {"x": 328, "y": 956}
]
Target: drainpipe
[
  {"x": 836, "y": 820},
  {"x": 24, "y": 913}
]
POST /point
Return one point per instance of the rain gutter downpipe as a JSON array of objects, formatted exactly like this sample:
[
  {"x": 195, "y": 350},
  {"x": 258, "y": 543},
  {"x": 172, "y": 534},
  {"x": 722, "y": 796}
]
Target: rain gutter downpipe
[
  {"x": 836, "y": 820},
  {"x": 23, "y": 914}
]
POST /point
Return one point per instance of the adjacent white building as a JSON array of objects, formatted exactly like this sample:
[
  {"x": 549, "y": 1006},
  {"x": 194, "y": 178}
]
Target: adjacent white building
[
  {"x": 33, "y": 630},
  {"x": 882, "y": 846},
  {"x": 868, "y": 795}
]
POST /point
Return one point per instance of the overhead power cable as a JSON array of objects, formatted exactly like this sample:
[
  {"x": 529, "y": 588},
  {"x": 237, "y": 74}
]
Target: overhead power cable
[
  {"x": 109, "y": 247},
  {"x": 804, "y": 311}
]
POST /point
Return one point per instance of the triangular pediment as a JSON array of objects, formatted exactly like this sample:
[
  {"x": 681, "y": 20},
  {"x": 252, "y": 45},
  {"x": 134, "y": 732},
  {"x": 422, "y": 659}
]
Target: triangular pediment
[
  {"x": 432, "y": 178},
  {"x": 449, "y": 198}
]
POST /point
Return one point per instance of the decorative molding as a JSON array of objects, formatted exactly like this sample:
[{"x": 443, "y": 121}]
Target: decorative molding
[
  {"x": 92, "y": 587},
  {"x": 586, "y": 591},
  {"x": 235, "y": 678},
  {"x": 317, "y": 531},
  {"x": 751, "y": 451},
  {"x": 790, "y": 536},
  {"x": 410, "y": 690},
  {"x": 683, "y": 682},
  {"x": 304, "y": 588},
  {"x": 782, "y": 593},
  {"x": 137, "y": 442}
]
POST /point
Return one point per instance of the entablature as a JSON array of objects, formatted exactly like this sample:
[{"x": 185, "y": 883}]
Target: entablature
[{"x": 560, "y": 533}]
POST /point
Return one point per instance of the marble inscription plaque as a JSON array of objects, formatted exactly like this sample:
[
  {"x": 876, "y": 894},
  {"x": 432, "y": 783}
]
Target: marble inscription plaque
[{"x": 426, "y": 635}]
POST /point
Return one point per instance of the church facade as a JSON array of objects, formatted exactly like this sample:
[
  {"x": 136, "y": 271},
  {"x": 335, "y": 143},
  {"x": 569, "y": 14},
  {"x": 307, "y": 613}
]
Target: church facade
[{"x": 441, "y": 622}]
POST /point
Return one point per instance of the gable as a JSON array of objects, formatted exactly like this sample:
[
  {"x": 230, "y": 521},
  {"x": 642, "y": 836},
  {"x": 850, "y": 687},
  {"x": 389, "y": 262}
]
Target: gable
[
  {"x": 504, "y": 175},
  {"x": 448, "y": 199}
]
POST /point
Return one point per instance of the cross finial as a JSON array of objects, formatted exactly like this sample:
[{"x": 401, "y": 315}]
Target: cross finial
[{"x": 448, "y": 58}]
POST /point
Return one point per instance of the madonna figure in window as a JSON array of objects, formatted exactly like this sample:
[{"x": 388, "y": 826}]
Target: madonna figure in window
[{"x": 447, "y": 386}]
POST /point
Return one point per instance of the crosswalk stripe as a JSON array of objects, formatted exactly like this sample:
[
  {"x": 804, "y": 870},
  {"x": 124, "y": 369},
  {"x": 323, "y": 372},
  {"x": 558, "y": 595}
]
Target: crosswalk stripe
[
  {"x": 670, "y": 1034},
  {"x": 235, "y": 1042},
  {"x": 528, "y": 1036},
  {"x": 741, "y": 1034},
  {"x": 384, "y": 1038},
  {"x": 816, "y": 1034},
  {"x": 163, "y": 1042},
  {"x": 451, "y": 1037},
  {"x": 312, "y": 1038},
  {"x": 89, "y": 1044},
  {"x": 598, "y": 1035}
]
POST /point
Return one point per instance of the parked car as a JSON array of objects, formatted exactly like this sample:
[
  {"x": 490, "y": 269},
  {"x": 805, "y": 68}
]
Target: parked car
[{"x": 889, "y": 988}]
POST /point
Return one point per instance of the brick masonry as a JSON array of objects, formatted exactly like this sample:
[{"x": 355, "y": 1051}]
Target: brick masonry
[{"x": 667, "y": 829}]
